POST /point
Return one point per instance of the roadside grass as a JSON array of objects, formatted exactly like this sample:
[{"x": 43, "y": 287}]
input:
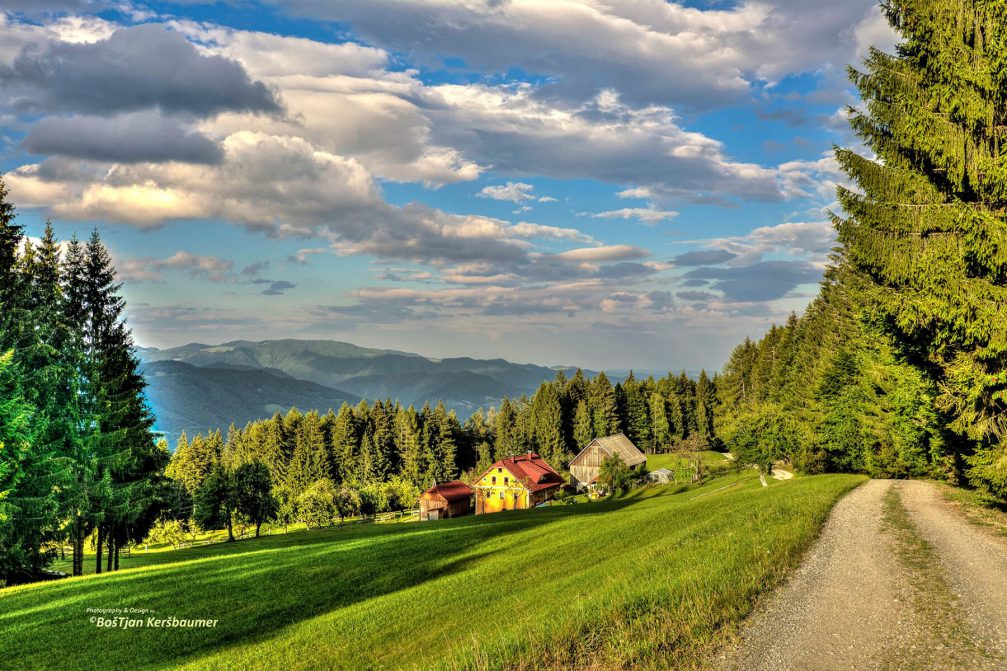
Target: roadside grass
[
  {"x": 978, "y": 508},
  {"x": 651, "y": 580}
]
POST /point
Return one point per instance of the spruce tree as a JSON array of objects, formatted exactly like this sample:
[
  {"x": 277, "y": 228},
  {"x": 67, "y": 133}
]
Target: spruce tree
[
  {"x": 583, "y": 429},
  {"x": 660, "y": 427},
  {"x": 925, "y": 228},
  {"x": 604, "y": 409},
  {"x": 16, "y": 437},
  {"x": 548, "y": 425}
]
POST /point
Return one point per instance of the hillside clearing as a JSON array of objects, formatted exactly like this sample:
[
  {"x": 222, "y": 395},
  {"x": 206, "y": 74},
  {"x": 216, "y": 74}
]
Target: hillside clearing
[{"x": 646, "y": 580}]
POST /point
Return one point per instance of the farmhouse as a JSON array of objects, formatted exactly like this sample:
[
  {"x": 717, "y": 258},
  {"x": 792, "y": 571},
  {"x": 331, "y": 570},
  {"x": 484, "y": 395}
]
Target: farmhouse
[
  {"x": 516, "y": 482},
  {"x": 451, "y": 499},
  {"x": 585, "y": 466}
]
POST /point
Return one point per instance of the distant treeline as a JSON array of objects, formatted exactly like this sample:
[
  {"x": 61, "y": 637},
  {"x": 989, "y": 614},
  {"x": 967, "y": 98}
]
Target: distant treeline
[{"x": 385, "y": 453}]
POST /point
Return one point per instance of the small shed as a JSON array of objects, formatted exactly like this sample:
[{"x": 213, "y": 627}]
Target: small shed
[
  {"x": 585, "y": 466},
  {"x": 661, "y": 475},
  {"x": 450, "y": 499}
]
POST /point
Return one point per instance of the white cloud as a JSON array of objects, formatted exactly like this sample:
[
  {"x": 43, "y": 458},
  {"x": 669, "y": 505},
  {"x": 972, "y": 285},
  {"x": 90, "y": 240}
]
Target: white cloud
[
  {"x": 515, "y": 192},
  {"x": 151, "y": 269},
  {"x": 653, "y": 51},
  {"x": 645, "y": 215},
  {"x": 606, "y": 253},
  {"x": 509, "y": 129},
  {"x": 635, "y": 192}
]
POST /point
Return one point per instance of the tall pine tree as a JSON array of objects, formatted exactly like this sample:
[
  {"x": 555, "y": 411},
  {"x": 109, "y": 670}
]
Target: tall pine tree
[{"x": 926, "y": 230}]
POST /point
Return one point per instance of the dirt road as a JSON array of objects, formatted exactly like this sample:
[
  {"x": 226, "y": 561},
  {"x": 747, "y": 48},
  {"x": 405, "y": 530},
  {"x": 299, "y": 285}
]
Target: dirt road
[{"x": 897, "y": 580}]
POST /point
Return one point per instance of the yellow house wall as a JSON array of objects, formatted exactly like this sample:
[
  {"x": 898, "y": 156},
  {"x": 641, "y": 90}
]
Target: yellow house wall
[{"x": 515, "y": 496}]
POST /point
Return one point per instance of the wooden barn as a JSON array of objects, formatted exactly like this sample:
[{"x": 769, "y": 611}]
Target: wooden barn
[
  {"x": 451, "y": 499},
  {"x": 585, "y": 466},
  {"x": 514, "y": 483}
]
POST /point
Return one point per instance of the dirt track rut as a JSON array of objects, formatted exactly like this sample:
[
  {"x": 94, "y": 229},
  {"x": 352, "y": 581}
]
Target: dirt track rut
[{"x": 897, "y": 580}]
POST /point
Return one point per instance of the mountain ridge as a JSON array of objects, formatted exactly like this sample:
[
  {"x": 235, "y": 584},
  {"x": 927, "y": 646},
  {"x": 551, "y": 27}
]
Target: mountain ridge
[{"x": 271, "y": 374}]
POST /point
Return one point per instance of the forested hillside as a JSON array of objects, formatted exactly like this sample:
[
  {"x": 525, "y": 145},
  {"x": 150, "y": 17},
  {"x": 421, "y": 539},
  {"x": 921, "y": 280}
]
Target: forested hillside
[
  {"x": 827, "y": 392},
  {"x": 379, "y": 456},
  {"x": 191, "y": 398},
  {"x": 463, "y": 384},
  {"x": 898, "y": 368}
]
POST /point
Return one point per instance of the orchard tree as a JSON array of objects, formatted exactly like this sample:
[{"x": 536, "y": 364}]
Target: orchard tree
[
  {"x": 614, "y": 476},
  {"x": 216, "y": 501},
  {"x": 253, "y": 493},
  {"x": 316, "y": 506},
  {"x": 762, "y": 435}
]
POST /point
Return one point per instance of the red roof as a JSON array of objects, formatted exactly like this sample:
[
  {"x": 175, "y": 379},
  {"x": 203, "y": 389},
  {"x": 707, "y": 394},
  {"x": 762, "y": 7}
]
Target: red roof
[
  {"x": 530, "y": 470},
  {"x": 451, "y": 491}
]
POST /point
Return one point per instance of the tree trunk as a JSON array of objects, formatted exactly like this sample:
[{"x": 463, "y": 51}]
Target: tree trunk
[
  {"x": 230, "y": 532},
  {"x": 78, "y": 547},
  {"x": 111, "y": 552},
  {"x": 116, "y": 556},
  {"x": 258, "y": 525},
  {"x": 97, "y": 550}
]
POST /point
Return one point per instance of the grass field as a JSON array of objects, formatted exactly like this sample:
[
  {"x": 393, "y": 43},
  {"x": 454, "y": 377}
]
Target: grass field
[
  {"x": 143, "y": 556},
  {"x": 713, "y": 461},
  {"x": 645, "y": 581}
]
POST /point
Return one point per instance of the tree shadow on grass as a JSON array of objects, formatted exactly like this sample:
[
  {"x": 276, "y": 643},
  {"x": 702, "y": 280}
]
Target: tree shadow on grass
[{"x": 254, "y": 588}]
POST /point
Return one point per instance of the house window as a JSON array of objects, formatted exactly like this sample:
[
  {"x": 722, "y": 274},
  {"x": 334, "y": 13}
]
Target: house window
[
  {"x": 501, "y": 495},
  {"x": 506, "y": 480},
  {"x": 494, "y": 479}
]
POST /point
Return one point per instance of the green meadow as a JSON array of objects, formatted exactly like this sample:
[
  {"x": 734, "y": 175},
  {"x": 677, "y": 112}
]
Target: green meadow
[{"x": 651, "y": 580}]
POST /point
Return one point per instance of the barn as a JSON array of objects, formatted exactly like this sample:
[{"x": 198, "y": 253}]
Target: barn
[
  {"x": 585, "y": 466},
  {"x": 451, "y": 499}
]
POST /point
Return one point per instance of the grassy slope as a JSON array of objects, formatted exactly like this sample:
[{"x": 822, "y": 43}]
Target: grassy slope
[
  {"x": 643, "y": 581},
  {"x": 672, "y": 460}
]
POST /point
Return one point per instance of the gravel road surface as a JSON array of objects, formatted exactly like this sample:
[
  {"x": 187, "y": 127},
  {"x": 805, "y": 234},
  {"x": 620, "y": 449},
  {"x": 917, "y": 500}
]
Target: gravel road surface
[{"x": 887, "y": 586}]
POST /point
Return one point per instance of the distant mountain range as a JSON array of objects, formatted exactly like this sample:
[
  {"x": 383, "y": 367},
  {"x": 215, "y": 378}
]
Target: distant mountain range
[{"x": 198, "y": 387}]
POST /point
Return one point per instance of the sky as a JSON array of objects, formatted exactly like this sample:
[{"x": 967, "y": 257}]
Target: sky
[{"x": 605, "y": 183}]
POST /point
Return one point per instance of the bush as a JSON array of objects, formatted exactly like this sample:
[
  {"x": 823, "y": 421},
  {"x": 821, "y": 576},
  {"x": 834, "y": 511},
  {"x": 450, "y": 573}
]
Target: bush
[
  {"x": 614, "y": 476},
  {"x": 166, "y": 531},
  {"x": 316, "y": 507}
]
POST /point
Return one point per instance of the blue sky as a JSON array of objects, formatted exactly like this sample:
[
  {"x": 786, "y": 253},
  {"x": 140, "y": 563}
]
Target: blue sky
[{"x": 612, "y": 184}]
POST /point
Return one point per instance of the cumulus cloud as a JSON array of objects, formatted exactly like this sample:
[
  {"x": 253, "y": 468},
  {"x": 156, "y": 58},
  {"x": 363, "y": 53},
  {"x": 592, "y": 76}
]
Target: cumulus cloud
[
  {"x": 812, "y": 241},
  {"x": 515, "y": 192},
  {"x": 605, "y": 139},
  {"x": 568, "y": 298},
  {"x": 763, "y": 281},
  {"x": 341, "y": 99},
  {"x": 583, "y": 46},
  {"x": 136, "y": 68},
  {"x": 131, "y": 137},
  {"x": 151, "y": 269},
  {"x": 649, "y": 216},
  {"x": 710, "y": 257},
  {"x": 635, "y": 192},
  {"x": 525, "y": 229}
]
